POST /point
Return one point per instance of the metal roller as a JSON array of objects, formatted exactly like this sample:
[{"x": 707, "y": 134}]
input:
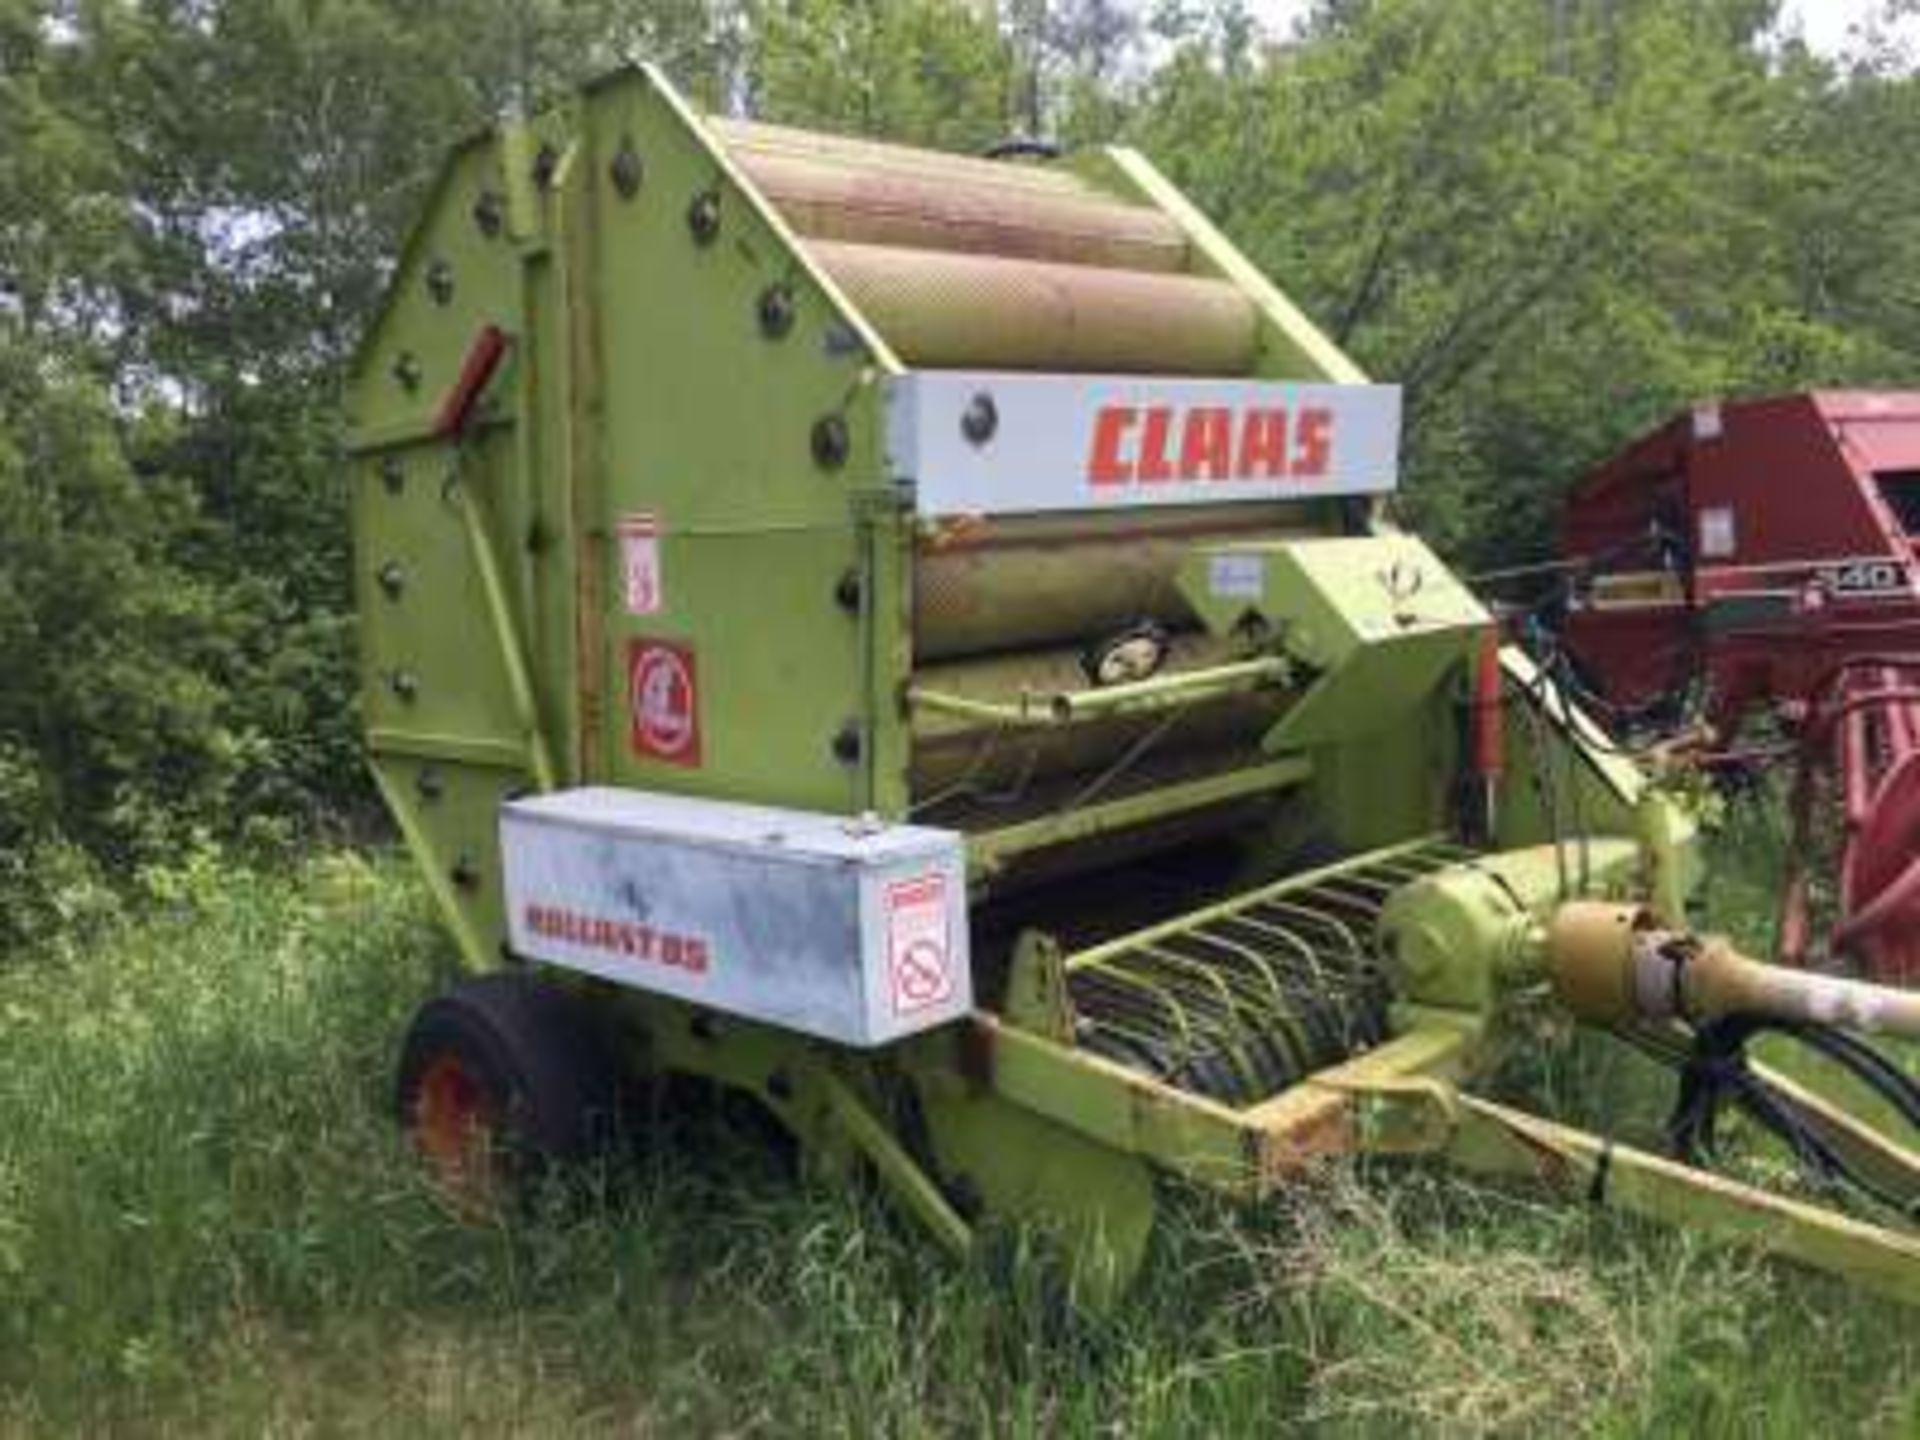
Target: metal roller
[
  {"x": 941, "y": 308},
  {"x": 1017, "y": 772},
  {"x": 1037, "y": 581},
  {"x": 952, "y": 754},
  {"x": 749, "y": 141},
  {"x": 1005, "y": 676},
  {"x": 828, "y": 201}
]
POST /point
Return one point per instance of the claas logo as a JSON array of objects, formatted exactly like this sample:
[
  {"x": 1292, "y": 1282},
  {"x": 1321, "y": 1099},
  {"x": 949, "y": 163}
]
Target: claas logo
[{"x": 1171, "y": 444}]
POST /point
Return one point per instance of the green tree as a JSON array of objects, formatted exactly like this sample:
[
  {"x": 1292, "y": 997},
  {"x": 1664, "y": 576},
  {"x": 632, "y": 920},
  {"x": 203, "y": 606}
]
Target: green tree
[
  {"x": 65, "y": 237},
  {"x": 929, "y": 72},
  {"x": 199, "y": 203},
  {"x": 1553, "y": 223},
  {"x": 112, "y": 734}
]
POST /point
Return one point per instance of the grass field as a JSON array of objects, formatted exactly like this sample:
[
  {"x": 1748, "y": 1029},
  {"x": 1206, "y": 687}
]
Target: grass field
[{"x": 207, "y": 1226}]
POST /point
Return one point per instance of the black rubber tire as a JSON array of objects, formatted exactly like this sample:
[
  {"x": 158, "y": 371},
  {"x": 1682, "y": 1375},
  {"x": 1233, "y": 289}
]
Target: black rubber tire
[{"x": 538, "y": 1062}]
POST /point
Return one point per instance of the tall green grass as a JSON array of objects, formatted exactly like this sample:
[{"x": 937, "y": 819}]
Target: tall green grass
[{"x": 207, "y": 1226}]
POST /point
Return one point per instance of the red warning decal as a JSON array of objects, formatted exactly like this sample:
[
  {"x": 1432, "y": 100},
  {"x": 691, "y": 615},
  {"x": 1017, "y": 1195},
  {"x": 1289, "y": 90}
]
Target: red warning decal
[
  {"x": 919, "y": 947},
  {"x": 664, "y": 698}
]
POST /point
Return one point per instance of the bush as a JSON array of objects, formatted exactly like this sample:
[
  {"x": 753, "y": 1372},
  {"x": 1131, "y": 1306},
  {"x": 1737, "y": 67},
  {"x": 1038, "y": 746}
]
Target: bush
[{"x": 112, "y": 741}]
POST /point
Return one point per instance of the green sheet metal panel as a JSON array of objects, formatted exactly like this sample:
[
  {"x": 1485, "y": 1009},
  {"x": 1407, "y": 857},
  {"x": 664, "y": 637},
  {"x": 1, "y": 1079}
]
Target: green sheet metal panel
[
  {"x": 427, "y": 646},
  {"x": 742, "y": 420},
  {"x": 1376, "y": 622}
]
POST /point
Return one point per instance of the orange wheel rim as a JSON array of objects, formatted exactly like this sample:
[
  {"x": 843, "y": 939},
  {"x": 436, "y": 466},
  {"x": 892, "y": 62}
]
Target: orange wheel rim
[{"x": 456, "y": 1126}]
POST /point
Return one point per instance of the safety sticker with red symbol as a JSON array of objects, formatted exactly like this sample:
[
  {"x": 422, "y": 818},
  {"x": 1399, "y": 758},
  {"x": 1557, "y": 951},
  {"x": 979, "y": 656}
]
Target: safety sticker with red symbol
[
  {"x": 664, "y": 698},
  {"x": 919, "y": 947}
]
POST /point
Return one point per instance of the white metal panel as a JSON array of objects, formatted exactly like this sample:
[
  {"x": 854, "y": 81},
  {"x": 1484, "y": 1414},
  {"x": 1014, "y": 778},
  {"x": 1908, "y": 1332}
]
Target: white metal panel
[
  {"x": 850, "y": 930},
  {"x": 993, "y": 443}
]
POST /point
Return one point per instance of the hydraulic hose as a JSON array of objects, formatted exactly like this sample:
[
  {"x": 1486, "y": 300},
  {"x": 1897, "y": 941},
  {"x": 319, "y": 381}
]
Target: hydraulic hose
[
  {"x": 1613, "y": 965},
  {"x": 1716, "y": 1073}
]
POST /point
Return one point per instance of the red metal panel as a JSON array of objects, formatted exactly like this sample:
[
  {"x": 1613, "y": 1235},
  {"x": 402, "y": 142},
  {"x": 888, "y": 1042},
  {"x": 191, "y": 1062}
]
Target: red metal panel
[
  {"x": 1883, "y": 445},
  {"x": 1791, "y": 590}
]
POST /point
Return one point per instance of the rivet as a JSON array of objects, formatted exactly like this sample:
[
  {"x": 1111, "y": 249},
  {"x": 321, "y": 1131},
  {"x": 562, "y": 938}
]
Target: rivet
[
  {"x": 846, "y": 593},
  {"x": 430, "y": 783},
  {"x": 465, "y": 874},
  {"x": 703, "y": 217},
  {"x": 393, "y": 579},
  {"x": 625, "y": 170},
  {"x": 980, "y": 419},
  {"x": 404, "y": 685},
  {"x": 440, "y": 282},
  {"x": 846, "y": 744},
  {"x": 393, "y": 474},
  {"x": 830, "y": 442},
  {"x": 841, "y": 339},
  {"x": 406, "y": 370},
  {"x": 776, "y": 311},
  {"x": 489, "y": 213},
  {"x": 546, "y": 161}
]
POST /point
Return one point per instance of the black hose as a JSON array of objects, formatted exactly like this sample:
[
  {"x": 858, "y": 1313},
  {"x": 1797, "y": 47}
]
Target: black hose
[{"x": 1716, "y": 1073}]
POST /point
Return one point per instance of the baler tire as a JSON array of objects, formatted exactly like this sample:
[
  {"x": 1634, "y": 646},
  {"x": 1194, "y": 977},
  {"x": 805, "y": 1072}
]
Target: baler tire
[{"x": 503, "y": 1080}]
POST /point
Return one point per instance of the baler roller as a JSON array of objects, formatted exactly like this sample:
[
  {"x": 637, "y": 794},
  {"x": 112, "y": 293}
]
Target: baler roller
[
  {"x": 943, "y": 308},
  {"x": 1244, "y": 1000},
  {"x": 962, "y": 262},
  {"x": 823, "y": 200},
  {"x": 999, "y": 774},
  {"x": 955, "y": 754},
  {"x": 749, "y": 142},
  {"x": 1035, "y": 581}
]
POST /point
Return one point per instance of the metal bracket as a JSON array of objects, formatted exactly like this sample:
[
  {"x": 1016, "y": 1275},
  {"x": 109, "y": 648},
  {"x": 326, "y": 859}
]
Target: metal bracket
[{"x": 1037, "y": 997}]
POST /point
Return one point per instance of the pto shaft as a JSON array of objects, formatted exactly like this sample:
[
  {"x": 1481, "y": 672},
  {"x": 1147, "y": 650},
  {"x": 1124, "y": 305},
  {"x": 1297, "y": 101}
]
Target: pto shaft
[{"x": 1612, "y": 964}]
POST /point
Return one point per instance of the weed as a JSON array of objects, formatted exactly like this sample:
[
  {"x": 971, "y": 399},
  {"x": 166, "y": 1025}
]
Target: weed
[{"x": 207, "y": 1225}]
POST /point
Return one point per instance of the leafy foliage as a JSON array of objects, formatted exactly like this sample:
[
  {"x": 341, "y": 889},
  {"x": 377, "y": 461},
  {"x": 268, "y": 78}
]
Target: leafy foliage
[
  {"x": 928, "y": 72},
  {"x": 1554, "y": 224},
  {"x": 111, "y": 731}
]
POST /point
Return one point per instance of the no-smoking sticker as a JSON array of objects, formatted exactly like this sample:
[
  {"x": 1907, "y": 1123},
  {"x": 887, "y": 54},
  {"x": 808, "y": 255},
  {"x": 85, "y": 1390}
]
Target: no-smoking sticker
[
  {"x": 664, "y": 701},
  {"x": 919, "y": 947}
]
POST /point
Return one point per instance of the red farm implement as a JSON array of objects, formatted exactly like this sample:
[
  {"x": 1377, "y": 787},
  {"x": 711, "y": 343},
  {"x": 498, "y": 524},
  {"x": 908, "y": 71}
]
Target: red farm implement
[{"x": 1751, "y": 565}]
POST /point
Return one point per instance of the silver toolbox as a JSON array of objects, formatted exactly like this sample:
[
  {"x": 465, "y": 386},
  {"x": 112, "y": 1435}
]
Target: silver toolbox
[{"x": 851, "y": 930}]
